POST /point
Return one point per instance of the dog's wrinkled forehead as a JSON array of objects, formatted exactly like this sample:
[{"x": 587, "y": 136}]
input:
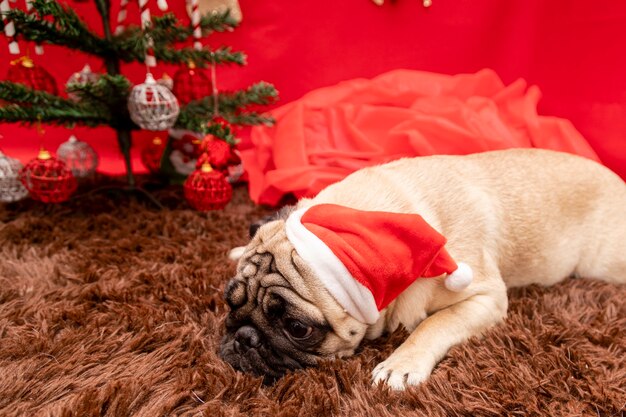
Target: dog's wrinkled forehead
[
  {"x": 258, "y": 266},
  {"x": 269, "y": 262}
]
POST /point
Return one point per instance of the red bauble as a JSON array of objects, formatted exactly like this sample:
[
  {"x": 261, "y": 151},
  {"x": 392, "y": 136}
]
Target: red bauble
[
  {"x": 216, "y": 152},
  {"x": 207, "y": 189},
  {"x": 48, "y": 179},
  {"x": 191, "y": 83},
  {"x": 24, "y": 71},
  {"x": 151, "y": 155}
]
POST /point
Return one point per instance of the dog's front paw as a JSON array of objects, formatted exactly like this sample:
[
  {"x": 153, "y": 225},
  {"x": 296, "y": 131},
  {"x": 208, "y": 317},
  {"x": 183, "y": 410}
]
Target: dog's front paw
[{"x": 400, "y": 371}]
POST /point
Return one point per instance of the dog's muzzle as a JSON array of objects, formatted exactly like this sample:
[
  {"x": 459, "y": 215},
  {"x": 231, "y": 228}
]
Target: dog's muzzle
[{"x": 246, "y": 350}]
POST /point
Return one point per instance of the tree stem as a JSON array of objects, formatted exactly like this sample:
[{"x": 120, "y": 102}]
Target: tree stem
[
  {"x": 124, "y": 142},
  {"x": 112, "y": 63}
]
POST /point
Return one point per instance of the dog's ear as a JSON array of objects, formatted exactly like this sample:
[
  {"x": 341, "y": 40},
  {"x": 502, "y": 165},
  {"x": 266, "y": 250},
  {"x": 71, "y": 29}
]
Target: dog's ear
[{"x": 282, "y": 214}]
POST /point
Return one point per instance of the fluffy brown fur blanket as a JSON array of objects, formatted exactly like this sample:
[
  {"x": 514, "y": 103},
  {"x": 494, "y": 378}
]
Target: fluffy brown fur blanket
[{"x": 111, "y": 307}]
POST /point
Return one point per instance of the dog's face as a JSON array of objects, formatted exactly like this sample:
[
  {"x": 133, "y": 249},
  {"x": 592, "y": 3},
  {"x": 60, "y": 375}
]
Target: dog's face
[{"x": 281, "y": 317}]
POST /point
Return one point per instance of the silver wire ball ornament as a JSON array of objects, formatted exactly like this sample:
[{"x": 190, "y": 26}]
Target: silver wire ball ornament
[
  {"x": 82, "y": 77},
  {"x": 153, "y": 106},
  {"x": 11, "y": 189},
  {"x": 79, "y": 157}
]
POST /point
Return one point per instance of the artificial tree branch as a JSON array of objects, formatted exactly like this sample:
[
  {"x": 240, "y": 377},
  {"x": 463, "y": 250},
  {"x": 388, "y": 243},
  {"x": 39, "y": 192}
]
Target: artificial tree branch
[
  {"x": 201, "y": 58},
  {"x": 197, "y": 114},
  {"x": 261, "y": 94},
  {"x": 130, "y": 46},
  {"x": 167, "y": 30},
  {"x": 64, "y": 27},
  {"x": 108, "y": 89},
  {"x": 56, "y": 115}
]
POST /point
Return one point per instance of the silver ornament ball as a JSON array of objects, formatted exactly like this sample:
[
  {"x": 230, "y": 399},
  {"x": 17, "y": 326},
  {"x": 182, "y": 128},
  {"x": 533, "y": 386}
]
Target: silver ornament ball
[
  {"x": 153, "y": 106},
  {"x": 79, "y": 157},
  {"x": 11, "y": 189},
  {"x": 84, "y": 76}
]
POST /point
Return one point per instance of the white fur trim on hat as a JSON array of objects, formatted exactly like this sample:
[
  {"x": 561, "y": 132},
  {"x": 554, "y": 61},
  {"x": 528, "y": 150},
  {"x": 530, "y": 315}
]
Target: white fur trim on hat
[{"x": 353, "y": 296}]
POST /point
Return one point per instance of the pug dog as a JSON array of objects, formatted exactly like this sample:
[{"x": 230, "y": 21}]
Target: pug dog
[{"x": 512, "y": 218}]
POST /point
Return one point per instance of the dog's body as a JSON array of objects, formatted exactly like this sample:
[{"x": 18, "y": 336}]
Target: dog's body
[{"x": 517, "y": 217}]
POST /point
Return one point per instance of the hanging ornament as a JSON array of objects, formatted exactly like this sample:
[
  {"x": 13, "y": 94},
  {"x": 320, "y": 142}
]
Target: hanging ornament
[
  {"x": 151, "y": 155},
  {"x": 84, "y": 76},
  {"x": 216, "y": 152},
  {"x": 47, "y": 179},
  {"x": 207, "y": 189},
  {"x": 78, "y": 156},
  {"x": 24, "y": 71},
  {"x": 224, "y": 157},
  {"x": 191, "y": 83},
  {"x": 215, "y": 7},
  {"x": 185, "y": 152},
  {"x": 166, "y": 81},
  {"x": 11, "y": 189},
  {"x": 152, "y": 106}
]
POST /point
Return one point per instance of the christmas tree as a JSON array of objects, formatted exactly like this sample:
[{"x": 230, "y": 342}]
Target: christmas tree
[{"x": 103, "y": 101}]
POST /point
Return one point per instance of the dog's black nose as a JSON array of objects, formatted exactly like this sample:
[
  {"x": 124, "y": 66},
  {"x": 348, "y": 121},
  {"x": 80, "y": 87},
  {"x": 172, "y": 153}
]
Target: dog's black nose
[{"x": 246, "y": 337}]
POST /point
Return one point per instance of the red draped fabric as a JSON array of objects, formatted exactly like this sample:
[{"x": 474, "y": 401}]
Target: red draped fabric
[
  {"x": 334, "y": 131},
  {"x": 573, "y": 50}
]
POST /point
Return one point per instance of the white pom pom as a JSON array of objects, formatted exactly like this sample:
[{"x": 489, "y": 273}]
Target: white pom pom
[
  {"x": 459, "y": 279},
  {"x": 236, "y": 253}
]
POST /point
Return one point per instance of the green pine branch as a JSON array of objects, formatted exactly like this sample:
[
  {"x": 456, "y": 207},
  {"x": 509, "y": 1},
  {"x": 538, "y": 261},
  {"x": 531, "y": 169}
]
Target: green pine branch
[
  {"x": 260, "y": 94},
  {"x": 61, "y": 116},
  {"x": 130, "y": 46},
  {"x": 232, "y": 106},
  {"x": 165, "y": 29},
  {"x": 201, "y": 58},
  {"x": 108, "y": 89},
  {"x": 55, "y": 24},
  {"x": 32, "y": 106}
]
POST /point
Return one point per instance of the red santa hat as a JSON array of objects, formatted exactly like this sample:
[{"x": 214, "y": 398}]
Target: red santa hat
[{"x": 367, "y": 258}]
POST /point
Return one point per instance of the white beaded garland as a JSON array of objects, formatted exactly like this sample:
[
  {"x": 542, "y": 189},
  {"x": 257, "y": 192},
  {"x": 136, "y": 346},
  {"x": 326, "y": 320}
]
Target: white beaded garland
[
  {"x": 79, "y": 157},
  {"x": 11, "y": 189},
  {"x": 153, "y": 106}
]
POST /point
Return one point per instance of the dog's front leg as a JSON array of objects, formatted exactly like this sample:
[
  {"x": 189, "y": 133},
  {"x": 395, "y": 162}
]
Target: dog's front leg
[{"x": 415, "y": 359}]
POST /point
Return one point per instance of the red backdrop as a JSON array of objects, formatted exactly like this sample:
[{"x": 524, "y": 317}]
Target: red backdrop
[{"x": 572, "y": 49}]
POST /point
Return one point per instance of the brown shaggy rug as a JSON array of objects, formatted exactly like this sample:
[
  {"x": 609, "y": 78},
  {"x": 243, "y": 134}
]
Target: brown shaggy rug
[{"x": 110, "y": 307}]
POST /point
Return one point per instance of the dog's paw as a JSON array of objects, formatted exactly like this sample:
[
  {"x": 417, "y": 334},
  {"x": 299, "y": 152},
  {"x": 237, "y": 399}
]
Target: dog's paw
[{"x": 400, "y": 371}]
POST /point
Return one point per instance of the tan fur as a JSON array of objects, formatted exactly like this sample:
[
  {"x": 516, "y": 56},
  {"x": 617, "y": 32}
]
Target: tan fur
[{"x": 516, "y": 217}]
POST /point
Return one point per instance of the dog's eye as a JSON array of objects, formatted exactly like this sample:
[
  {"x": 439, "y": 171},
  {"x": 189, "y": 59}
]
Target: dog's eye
[{"x": 297, "y": 329}]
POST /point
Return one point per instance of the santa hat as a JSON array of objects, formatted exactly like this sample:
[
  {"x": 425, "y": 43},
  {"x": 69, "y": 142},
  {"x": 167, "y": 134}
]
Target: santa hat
[{"x": 365, "y": 259}]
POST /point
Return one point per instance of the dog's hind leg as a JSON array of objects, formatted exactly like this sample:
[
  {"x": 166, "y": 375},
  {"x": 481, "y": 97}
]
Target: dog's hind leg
[
  {"x": 604, "y": 255},
  {"x": 606, "y": 260}
]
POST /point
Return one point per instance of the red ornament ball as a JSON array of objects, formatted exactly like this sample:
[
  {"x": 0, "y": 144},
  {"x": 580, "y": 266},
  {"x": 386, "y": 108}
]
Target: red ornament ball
[
  {"x": 207, "y": 189},
  {"x": 191, "y": 83},
  {"x": 216, "y": 152},
  {"x": 24, "y": 71},
  {"x": 151, "y": 155},
  {"x": 48, "y": 179}
]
